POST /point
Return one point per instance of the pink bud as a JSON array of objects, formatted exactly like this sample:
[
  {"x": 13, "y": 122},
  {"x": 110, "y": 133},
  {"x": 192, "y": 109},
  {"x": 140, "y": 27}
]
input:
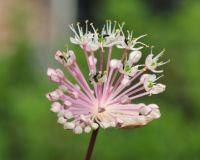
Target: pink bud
[
  {"x": 55, "y": 75},
  {"x": 67, "y": 103},
  {"x": 75, "y": 94},
  {"x": 55, "y": 95}
]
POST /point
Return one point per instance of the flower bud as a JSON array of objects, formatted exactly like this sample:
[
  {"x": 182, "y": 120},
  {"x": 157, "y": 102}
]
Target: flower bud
[
  {"x": 153, "y": 106},
  {"x": 87, "y": 129},
  {"x": 78, "y": 130},
  {"x": 155, "y": 113},
  {"x": 75, "y": 94},
  {"x": 145, "y": 110},
  {"x": 61, "y": 120},
  {"x": 105, "y": 124},
  {"x": 67, "y": 103},
  {"x": 68, "y": 115},
  {"x": 135, "y": 56},
  {"x": 56, "y": 107},
  {"x": 69, "y": 125},
  {"x": 55, "y": 95},
  {"x": 94, "y": 125},
  {"x": 113, "y": 124},
  {"x": 82, "y": 117},
  {"x": 125, "y": 81},
  {"x": 92, "y": 61},
  {"x": 55, "y": 75},
  {"x": 114, "y": 63}
]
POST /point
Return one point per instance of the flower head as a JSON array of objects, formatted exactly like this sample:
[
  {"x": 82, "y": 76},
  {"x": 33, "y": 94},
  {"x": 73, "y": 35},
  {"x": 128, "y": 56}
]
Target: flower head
[{"x": 104, "y": 98}]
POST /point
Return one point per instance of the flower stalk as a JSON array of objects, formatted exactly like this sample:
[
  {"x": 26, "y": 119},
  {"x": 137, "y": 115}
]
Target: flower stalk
[{"x": 91, "y": 144}]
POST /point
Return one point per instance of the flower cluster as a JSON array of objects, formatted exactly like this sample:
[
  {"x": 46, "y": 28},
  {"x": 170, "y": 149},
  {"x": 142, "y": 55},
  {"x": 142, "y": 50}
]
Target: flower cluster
[{"x": 104, "y": 98}]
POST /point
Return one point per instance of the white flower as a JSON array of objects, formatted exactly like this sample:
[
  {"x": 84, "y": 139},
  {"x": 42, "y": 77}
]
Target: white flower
[
  {"x": 152, "y": 63},
  {"x": 110, "y": 35},
  {"x": 148, "y": 77},
  {"x": 128, "y": 69},
  {"x": 85, "y": 39},
  {"x": 129, "y": 42},
  {"x": 80, "y": 37},
  {"x": 150, "y": 85},
  {"x": 92, "y": 45}
]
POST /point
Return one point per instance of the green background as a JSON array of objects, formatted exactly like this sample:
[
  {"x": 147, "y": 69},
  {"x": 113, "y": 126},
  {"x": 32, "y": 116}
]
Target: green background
[{"x": 28, "y": 130}]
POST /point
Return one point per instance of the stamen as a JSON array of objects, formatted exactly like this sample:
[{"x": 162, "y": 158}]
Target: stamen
[
  {"x": 79, "y": 29},
  {"x": 91, "y": 24},
  {"x": 73, "y": 30},
  {"x": 86, "y": 26},
  {"x": 115, "y": 23}
]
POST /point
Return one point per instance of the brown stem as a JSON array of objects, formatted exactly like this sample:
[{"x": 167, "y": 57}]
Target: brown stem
[{"x": 91, "y": 144}]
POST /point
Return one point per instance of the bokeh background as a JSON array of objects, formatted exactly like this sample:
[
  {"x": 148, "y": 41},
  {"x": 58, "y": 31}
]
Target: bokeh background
[{"x": 31, "y": 32}]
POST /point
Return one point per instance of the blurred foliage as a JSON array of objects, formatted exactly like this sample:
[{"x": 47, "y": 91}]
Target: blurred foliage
[{"x": 28, "y": 131}]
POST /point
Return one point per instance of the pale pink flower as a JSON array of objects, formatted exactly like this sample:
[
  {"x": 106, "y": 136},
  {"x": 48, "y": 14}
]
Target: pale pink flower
[{"x": 105, "y": 97}]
